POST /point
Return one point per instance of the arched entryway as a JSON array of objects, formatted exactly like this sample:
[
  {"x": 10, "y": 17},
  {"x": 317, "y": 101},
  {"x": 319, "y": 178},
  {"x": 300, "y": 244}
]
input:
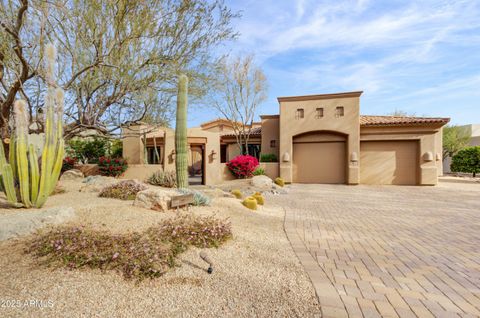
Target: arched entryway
[{"x": 319, "y": 157}]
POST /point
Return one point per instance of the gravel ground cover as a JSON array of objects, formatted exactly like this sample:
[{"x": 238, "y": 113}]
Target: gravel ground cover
[{"x": 255, "y": 275}]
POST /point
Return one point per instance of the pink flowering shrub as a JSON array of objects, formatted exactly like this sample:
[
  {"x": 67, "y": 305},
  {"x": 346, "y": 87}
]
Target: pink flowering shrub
[
  {"x": 243, "y": 166},
  {"x": 112, "y": 167},
  {"x": 137, "y": 255}
]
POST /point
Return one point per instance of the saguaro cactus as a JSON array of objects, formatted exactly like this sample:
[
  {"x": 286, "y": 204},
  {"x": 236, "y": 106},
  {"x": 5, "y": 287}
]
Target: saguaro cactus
[
  {"x": 181, "y": 145},
  {"x": 24, "y": 182}
]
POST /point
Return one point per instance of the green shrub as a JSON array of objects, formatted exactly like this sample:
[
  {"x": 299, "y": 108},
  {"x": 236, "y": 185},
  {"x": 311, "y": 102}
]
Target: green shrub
[
  {"x": 268, "y": 157},
  {"x": 250, "y": 203},
  {"x": 123, "y": 190},
  {"x": 112, "y": 167},
  {"x": 259, "y": 172},
  {"x": 116, "y": 148},
  {"x": 199, "y": 198},
  {"x": 279, "y": 181},
  {"x": 467, "y": 160},
  {"x": 137, "y": 255},
  {"x": 237, "y": 193},
  {"x": 87, "y": 150},
  {"x": 161, "y": 178},
  {"x": 259, "y": 197}
]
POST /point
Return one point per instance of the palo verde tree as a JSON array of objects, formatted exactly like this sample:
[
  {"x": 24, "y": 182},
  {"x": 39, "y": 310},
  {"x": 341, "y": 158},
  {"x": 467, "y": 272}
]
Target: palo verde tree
[
  {"x": 240, "y": 88},
  {"x": 455, "y": 138}
]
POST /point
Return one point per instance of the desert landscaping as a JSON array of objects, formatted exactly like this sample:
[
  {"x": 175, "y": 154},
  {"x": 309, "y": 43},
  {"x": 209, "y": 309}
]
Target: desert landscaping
[{"x": 255, "y": 272}]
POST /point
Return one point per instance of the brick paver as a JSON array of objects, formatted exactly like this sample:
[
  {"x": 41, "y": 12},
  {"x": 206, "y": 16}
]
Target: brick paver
[{"x": 375, "y": 251}]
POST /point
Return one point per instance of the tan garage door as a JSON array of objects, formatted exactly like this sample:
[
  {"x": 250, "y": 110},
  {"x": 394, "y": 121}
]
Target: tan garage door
[
  {"x": 319, "y": 162},
  {"x": 389, "y": 162}
]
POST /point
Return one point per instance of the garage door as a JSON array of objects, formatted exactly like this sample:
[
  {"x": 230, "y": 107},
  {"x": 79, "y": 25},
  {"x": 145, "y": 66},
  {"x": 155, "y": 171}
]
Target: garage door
[
  {"x": 389, "y": 162},
  {"x": 319, "y": 162}
]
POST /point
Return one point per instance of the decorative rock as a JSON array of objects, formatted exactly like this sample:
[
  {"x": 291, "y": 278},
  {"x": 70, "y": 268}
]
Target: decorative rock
[
  {"x": 73, "y": 174},
  {"x": 217, "y": 193},
  {"x": 262, "y": 182},
  {"x": 97, "y": 183},
  {"x": 25, "y": 222},
  {"x": 155, "y": 199}
]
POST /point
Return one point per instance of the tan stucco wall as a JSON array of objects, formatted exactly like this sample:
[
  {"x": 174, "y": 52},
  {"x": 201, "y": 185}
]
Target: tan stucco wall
[
  {"x": 132, "y": 144},
  {"x": 272, "y": 169},
  {"x": 429, "y": 139},
  {"x": 270, "y": 131},
  {"x": 348, "y": 125},
  {"x": 133, "y": 150}
]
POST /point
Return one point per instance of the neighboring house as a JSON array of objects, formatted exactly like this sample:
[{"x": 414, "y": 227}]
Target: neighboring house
[
  {"x": 472, "y": 130},
  {"x": 317, "y": 139}
]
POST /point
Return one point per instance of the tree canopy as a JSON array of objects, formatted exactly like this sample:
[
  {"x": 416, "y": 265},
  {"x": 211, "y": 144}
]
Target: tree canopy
[
  {"x": 119, "y": 59},
  {"x": 455, "y": 138}
]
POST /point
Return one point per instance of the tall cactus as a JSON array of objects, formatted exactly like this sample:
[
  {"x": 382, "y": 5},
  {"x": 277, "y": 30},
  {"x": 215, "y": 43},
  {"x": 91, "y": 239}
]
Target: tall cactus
[
  {"x": 24, "y": 182},
  {"x": 181, "y": 145}
]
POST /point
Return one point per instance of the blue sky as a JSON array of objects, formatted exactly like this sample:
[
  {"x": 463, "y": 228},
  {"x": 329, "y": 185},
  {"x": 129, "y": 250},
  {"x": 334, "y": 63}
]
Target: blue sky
[{"x": 421, "y": 57}]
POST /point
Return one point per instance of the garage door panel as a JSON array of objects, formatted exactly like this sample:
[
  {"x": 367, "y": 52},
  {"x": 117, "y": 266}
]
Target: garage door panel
[
  {"x": 389, "y": 162},
  {"x": 319, "y": 162}
]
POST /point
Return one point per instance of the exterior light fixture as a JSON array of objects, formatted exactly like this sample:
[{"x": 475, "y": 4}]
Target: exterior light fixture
[
  {"x": 438, "y": 157},
  {"x": 354, "y": 157},
  {"x": 213, "y": 154},
  {"x": 428, "y": 156},
  {"x": 286, "y": 157}
]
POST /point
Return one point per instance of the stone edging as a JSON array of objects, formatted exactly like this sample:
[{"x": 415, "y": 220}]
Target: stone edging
[{"x": 330, "y": 301}]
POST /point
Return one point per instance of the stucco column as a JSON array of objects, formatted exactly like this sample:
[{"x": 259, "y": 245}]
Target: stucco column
[{"x": 285, "y": 158}]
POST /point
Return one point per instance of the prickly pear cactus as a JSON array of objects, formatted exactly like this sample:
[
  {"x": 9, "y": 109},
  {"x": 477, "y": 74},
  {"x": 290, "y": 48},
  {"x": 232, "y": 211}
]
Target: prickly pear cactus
[{"x": 181, "y": 145}]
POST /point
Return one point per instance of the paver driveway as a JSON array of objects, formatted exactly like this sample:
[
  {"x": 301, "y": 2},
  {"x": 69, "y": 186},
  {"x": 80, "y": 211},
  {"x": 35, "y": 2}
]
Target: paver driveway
[{"x": 388, "y": 251}]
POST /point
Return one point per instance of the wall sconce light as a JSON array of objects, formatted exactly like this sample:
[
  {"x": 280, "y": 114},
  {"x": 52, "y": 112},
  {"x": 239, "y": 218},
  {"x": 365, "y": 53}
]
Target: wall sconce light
[
  {"x": 286, "y": 157},
  {"x": 438, "y": 157},
  {"x": 354, "y": 157},
  {"x": 428, "y": 156},
  {"x": 213, "y": 155}
]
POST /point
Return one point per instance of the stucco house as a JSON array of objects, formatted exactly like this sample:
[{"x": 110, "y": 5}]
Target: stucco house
[{"x": 316, "y": 138}]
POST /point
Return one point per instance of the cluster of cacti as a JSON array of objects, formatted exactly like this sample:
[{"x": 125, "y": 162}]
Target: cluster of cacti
[
  {"x": 279, "y": 181},
  {"x": 181, "y": 145},
  {"x": 250, "y": 202},
  {"x": 25, "y": 182},
  {"x": 259, "y": 197},
  {"x": 237, "y": 193}
]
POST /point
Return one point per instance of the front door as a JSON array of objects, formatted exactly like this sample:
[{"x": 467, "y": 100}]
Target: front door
[{"x": 196, "y": 161}]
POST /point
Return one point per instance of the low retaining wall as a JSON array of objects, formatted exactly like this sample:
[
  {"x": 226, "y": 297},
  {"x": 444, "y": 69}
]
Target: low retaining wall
[
  {"x": 272, "y": 169},
  {"x": 140, "y": 172}
]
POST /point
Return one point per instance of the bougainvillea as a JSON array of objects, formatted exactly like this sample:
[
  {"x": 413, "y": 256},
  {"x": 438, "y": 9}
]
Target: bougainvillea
[
  {"x": 243, "y": 166},
  {"x": 68, "y": 163},
  {"x": 112, "y": 167}
]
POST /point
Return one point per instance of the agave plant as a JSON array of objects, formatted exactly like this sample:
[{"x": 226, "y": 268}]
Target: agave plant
[{"x": 25, "y": 182}]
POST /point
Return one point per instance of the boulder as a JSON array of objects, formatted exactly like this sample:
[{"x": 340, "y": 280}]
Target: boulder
[
  {"x": 73, "y": 174},
  {"x": 25, "y": 222},
  {"x": 155, "y": 198},
  {"x": 262, "y": 182},
  {"x": 96, "y": 183},
  {"x": 217, "y": 193}
]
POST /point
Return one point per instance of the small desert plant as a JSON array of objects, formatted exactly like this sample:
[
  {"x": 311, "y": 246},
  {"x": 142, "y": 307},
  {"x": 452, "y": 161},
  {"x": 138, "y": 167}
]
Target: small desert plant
[
  {"x": 243, "y": 166},
  {"x": 250, "y": 203},
  {"x": 123, "y": 190},
  {"x": 237, "y": 193},
  {"x": 112, "y": 167},
  {"x": 68, "y": 163},
  {"x": 193, "y": 230},
  {"x": 161, "y": 178},
  {"x": 279, "y": 181},
  {"x": 137, "y": 255},
  {"x": 259, "y": 197},
  {"x": 268, "y": 157},
  {"x": 199, "y": 199},
  {"x": 259, "y": 172}
]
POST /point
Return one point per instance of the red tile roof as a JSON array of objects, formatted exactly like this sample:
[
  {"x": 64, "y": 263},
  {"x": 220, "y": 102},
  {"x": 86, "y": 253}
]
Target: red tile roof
[
  {"x": 257, "y": 131},
  {"x": 399, "y": 120}
]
